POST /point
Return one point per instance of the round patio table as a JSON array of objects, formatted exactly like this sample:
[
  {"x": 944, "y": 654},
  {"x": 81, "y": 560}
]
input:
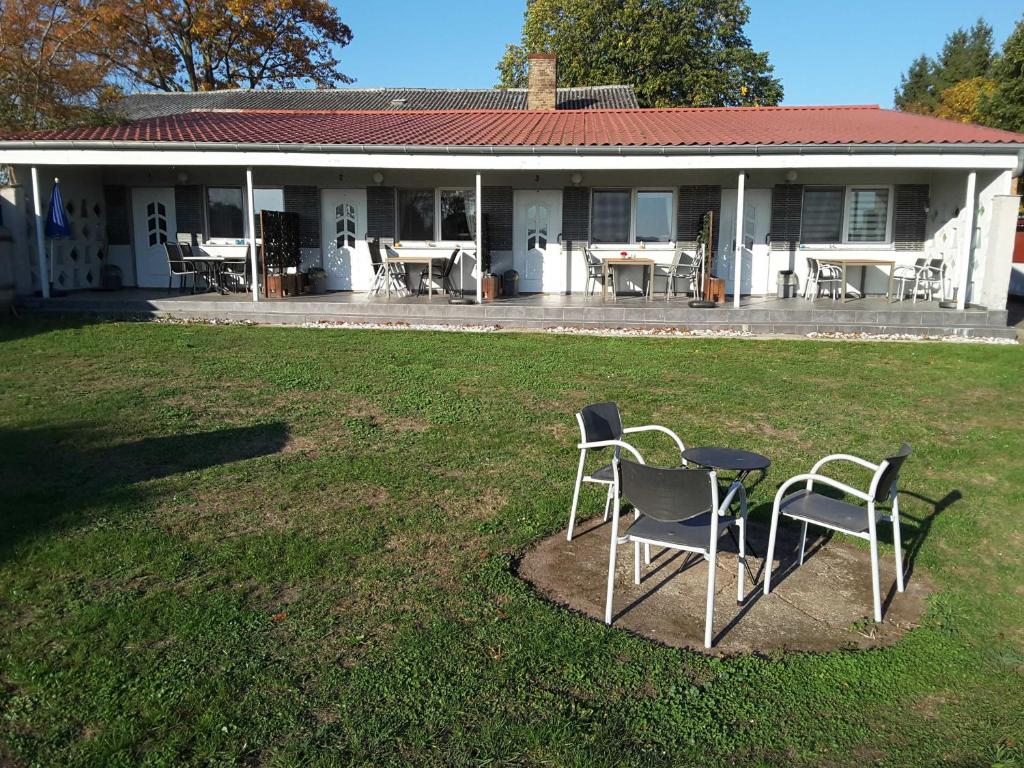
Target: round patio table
[{"x": 731, "y": 460}]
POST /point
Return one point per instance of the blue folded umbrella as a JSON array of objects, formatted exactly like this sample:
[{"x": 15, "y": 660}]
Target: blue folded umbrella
[{"x": 57, "y": 226}]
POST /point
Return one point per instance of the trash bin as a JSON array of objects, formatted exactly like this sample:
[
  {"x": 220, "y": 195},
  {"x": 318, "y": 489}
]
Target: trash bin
[
  {"x": 510, "y": 283},
  {"x": 788, "y": 284},
  {"x": 110, "y": 277}
]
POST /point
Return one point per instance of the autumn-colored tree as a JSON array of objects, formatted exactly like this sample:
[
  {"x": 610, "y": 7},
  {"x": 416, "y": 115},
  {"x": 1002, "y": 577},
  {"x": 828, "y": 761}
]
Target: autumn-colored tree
[
  {"x": 1004, "y": 106},
  {"x": 964, "y": 101},
  {"x": 673, "y": 52},
  {"x": 191, "y": 45},
  {"x": 48, "y": 75}
]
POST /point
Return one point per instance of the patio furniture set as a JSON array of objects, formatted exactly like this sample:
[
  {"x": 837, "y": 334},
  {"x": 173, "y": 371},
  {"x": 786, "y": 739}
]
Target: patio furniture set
[
  {"x": 923, "y": 276},
  {"x": 390, "y": 264},
  {"x": 218, "y": 273},
  {"x": 688, "y": 507},
  {"x": 601, "y": 271}
]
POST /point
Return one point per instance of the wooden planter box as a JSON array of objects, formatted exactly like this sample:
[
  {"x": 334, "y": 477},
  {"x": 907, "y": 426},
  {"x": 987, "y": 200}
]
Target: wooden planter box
[
  {"x": 273, "y": 286},
  {"x": 714, "y": 289},
  {"x": 491, "y": 287}
]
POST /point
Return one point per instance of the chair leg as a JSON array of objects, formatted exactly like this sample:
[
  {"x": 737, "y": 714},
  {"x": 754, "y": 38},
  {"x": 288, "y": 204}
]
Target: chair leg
[
  {"x": 636, "y": 562},
  {"x": 647, "y": 554},
  {"x": 576, "y": 496},
  {"x": 803, "y": 542},
  {"x": 709, "y": 615},
  {"x": 897, "y": 544},
  {"x": 769, "y": 556},
  {"x": 741, "y": 563},
  {"x": 611, "y": 562},
  {"x": 876, "y": 591},
  {"x": 607, "y": 503}
]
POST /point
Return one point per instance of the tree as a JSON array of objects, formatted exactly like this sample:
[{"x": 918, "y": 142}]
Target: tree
[
  {"x": 48, "y": 77},
  {"x": 1004, "y": 106},
  {"x": 966, "y": 54},
  {"x": 964, "y": 101},
  {"x": 189, "y": 45},
  {"x": 673, "y": 52}
]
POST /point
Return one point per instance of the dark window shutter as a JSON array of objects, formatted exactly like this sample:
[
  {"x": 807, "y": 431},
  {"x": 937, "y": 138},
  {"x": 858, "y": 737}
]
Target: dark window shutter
[
  {"x": 787, "y": 200},
  {"x": 576, "y": 214},
  {"x": 380, "y": 211},
  {"x": 694, "y": 203},
  {"x": 119, "y": 215},
  {"x": 910, "y": 219},
  {"x": 305, "y": 201},
  {"x": 497, "y": 212},
  {"x": 188, "y": 210}
]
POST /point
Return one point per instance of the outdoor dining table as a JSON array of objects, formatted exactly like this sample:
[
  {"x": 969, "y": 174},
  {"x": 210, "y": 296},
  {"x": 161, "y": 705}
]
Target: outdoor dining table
[
  {"x": 843, "y": 263},
  {"x": 731, "y": 460},
  {"x": 404, "y": 256},
  {"x": 213, "y": 266},
  {"x": 612, "y": 261}
]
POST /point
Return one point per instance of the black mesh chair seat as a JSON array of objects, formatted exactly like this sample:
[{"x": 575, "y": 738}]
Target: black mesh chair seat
[
  {"x": 605, "y": 474},
  {"x": 817, "y": 508},
  {"x": 692, "y": 532}
]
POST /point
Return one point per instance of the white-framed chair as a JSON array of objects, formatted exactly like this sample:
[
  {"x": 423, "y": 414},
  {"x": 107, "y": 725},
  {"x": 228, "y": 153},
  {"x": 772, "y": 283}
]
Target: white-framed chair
[
  {"x": 601, "y": 427},
  {"x": 177, "y": 267},
  {"x": 683, "y": 267},
  {"x": 812, "y": 508},
  {"x": 908, "y": 275},
  {"x": 821, "y": 273},
  {"x": 382, "y": 271},
  {"x": 676, "y": 508}
]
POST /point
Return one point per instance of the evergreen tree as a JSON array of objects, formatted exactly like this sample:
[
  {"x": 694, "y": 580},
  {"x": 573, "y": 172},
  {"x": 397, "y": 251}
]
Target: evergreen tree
[{"x": 1004, "y": 107}]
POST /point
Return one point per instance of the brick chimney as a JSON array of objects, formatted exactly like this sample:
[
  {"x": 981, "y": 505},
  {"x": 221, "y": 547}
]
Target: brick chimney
[{"x": 542, "y": 82}]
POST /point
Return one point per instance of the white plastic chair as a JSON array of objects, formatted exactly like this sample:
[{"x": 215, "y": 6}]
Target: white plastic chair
[
  {"x": 822, "y": 273},
  {"x": 679, "y": 509},
  {"x": 837, "y": 515},
  {"x": 601, "y": 427}
]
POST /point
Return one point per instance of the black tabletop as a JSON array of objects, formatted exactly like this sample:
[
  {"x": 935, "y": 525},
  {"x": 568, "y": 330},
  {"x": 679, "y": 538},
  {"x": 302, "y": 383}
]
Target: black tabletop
[{"x": 727, "y": 458}]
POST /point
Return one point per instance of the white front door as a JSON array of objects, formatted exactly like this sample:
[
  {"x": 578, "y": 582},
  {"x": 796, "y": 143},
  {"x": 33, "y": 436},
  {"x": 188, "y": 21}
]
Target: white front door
[
  {"x": 154, "y": 224},
  {"x": 756, "y": 261},
  {"x": 346, "y": 255},
  {"x": 536, "y": 242}
]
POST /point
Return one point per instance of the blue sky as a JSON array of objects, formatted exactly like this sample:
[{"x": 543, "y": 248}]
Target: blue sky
[{"x": 825, "y": 51}]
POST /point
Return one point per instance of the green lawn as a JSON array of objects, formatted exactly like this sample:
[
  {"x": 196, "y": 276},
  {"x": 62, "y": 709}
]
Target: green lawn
[{"x": 278, "y": 546}]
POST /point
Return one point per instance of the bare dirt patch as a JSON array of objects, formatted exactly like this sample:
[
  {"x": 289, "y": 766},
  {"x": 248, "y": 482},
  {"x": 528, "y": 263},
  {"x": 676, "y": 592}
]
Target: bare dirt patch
[{"x": 825, "y": 604}]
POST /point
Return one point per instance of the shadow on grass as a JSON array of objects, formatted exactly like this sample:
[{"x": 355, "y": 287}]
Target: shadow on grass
[{"x": 52, "y": 476}]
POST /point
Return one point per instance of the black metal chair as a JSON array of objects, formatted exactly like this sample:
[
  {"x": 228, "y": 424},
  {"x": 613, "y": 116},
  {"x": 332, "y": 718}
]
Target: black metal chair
[
  {"x": 677, "y": 508},
  {"x": 179, "y": 267},
  {"x": 601, "y": 427},
  {"x": 445, "y": 275},
  {"x": 837, "y": 515}
]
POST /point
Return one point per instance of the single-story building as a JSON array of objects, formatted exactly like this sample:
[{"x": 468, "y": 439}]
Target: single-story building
[{"x": 531, "y": 187}]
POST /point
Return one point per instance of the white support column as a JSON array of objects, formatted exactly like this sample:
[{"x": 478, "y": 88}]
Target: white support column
[
  {"x": 250, "y": 200},
  {"x": 44, "y": 275},
  {"x": 479, "y": 241},
  {"x": 966, "y": 241},
  {"x": 737, "y": 276}
]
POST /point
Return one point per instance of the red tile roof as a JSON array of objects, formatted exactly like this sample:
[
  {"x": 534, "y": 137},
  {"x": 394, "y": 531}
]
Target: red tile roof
[{"x": 583, "y": 128}]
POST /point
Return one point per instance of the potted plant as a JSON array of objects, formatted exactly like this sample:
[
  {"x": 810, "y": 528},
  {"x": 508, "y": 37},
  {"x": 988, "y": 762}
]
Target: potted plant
[
  {"x": 491, "y": 287},
  {"x": 317, "y": 279},
  {"x": 281, "y": 255},
  {"x": 710, "y": 285}
]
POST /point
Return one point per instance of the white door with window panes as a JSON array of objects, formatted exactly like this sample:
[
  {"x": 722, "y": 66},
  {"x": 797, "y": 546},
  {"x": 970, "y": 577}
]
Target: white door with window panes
[
  {"x": 154, "y": 224},
  {"x": 536, "y": 242},
  {"x": 346, "y": 257},
  {"x": 758, "y": 269}
]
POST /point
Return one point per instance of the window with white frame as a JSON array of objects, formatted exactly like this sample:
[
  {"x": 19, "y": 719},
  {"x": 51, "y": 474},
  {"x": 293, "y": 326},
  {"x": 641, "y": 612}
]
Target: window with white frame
[
  {"x": 846, "y": 215},
  {"x": 224, "y": 212},
  {"x": 631, "y": 216},
  {"x": 436, "y": 214}
]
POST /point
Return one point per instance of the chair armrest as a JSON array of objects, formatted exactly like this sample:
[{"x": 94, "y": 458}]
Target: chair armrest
[
  {"x": 657, "y": 428},
  {"x": 736, "y": 491},
  {"x": 810, "y": 479},
  {"x": 844, "y": 457},
  {"x": 612, "y": 444}
]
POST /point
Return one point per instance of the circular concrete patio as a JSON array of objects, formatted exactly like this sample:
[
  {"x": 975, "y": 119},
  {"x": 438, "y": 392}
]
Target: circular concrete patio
[{"x": 825, "y": 604}]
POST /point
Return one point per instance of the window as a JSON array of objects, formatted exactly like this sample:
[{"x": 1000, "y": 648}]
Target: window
[
  {"x": 653, "y": 216},
  {"x": 267, "y": 200},
  {"x": 458, "y": 214},
  {"x": 609, "y": 217},
  {"x": 416, "y": 214},
  {"x": 224, "y": 212},
  {"x": 868, "y": 216},
  {"x": 456, "y": 220},
  {"x": 821, "y": 220},
  {"x": 853, "y": 215}
]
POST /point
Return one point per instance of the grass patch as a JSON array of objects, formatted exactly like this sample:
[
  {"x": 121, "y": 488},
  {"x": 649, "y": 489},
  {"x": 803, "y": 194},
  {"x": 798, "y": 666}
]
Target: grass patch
[{"x": 282, "y": 546}]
